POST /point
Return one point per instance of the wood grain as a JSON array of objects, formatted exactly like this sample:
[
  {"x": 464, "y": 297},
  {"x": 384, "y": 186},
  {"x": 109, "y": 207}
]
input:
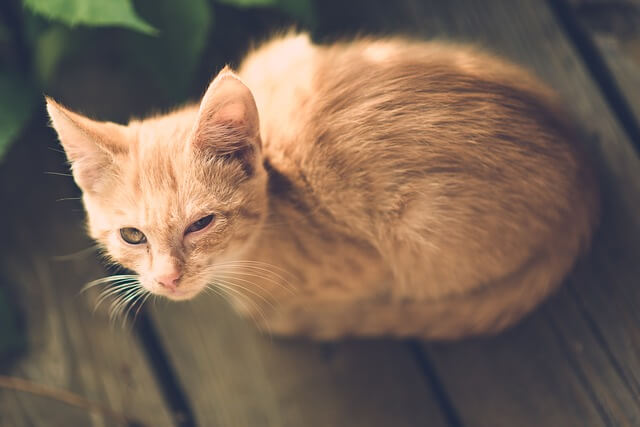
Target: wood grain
[
  {"x": 69, "y": 346},
  {"x": 236, "y": 376},
  {"x": 575, "y": 362},
  {"x": 614, "y": 26},
  {"x": 582, "y": 367}
]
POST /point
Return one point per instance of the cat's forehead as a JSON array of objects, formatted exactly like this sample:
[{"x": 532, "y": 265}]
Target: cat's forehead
[
  {"x": 158, "y": 188},
  {"x": 161, "y": 132},
  {"x": 161, "y": 182}
]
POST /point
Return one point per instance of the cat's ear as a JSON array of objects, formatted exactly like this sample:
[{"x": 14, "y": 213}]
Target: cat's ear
[
  {"x": 90, "y": 145},
  {"x": 228, "y": 120}
]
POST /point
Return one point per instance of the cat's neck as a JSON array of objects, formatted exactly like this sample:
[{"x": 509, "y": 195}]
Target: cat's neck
[
  {"x": 291, "y": 202},
  {"x": 296, "y": 226}
]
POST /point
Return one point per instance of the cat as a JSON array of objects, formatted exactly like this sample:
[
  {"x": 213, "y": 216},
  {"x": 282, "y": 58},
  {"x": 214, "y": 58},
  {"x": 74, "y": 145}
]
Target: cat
[{"x": 363, "y": 188}]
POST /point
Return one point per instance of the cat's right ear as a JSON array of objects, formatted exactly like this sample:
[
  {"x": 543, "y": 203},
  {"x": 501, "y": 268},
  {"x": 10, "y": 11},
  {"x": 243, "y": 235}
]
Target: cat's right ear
[
  {"x": 228, "y": 117},
  {"x": 90, "y": 145}
]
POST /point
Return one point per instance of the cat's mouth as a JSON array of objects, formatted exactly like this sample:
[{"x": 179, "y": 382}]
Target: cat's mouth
[{"x": 180, "y": 293}]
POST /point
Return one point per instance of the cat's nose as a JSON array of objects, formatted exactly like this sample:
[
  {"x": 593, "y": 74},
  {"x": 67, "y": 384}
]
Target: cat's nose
[{"x": 169, "y": 280}]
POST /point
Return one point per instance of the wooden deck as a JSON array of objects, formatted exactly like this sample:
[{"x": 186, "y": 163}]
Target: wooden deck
[{"x": 574, "y": 362}]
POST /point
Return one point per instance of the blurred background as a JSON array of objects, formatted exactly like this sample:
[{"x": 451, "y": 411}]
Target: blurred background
[
  {"x": 198, "y": 364},
  {"x": 110, "y": 60}
]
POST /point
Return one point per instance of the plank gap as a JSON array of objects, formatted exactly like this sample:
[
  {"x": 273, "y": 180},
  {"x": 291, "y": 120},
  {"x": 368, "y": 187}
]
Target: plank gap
[
  {"x": 449, "y": 410},
  {"x": 597, "y": 68},
  {"x": 171, "y": 388}
]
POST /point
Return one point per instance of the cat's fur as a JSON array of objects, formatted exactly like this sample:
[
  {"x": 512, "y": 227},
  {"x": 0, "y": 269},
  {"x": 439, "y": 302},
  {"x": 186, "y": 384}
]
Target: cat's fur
[{"x": 384, "y": 186}]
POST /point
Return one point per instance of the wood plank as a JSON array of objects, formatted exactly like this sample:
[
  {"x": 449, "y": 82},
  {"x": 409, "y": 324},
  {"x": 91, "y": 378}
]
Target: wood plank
[
  {"x": 614, "y": 26},
  {"x": 575, "y": 362},
  {"x": 235, "y": 376},
  {"x": 587, "y": 336},
  {"x": 69, "y": 347}
]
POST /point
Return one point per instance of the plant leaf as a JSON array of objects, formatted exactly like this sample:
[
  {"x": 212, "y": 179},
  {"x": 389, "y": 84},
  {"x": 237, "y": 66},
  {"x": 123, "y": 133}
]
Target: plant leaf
[
  {"x": 49, "y": 49},
  {"x": 17, "y": 102},
  {"x": 173, "y": 56},
  {"x": 95, "y": 13}
]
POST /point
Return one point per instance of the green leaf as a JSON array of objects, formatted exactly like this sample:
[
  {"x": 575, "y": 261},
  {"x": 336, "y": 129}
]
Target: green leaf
[
  {"x": 173, "y": 56},
  {"x": 17, "y": 102},
  {"x": 50, "y": 47},
  {"x": 95, "y": 13}
]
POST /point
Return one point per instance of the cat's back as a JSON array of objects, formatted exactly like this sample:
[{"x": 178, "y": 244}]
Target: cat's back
[
  {"x": 396, "y": 97},
  {"x": 458, "y": 167},
  {"x": 367, "y": 117}
]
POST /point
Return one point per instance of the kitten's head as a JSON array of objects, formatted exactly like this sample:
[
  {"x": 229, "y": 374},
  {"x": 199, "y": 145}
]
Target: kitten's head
[{"x": 172, "y": 196}]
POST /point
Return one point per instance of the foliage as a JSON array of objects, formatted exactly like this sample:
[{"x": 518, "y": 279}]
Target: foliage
[
  {"x": 164, "y": 38},
  {"x": 16, "y": 105},
  {"x": 93, "y": 13},
  {"x": 163, "y": 41}
]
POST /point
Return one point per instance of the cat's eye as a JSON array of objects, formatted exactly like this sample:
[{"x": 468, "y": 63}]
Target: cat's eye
[
  {"x": 132, "y": 236},
  {"x": 199, "y": 224}
]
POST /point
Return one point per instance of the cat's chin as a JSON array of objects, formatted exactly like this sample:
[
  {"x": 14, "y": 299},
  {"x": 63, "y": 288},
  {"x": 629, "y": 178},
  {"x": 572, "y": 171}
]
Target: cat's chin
[{"x": 179, "y": 294}]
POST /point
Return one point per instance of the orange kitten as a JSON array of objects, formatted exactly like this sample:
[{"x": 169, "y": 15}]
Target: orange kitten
[{"x": 380, "y": 186}]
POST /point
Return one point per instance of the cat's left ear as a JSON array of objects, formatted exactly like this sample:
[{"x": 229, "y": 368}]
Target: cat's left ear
[
  {"x": 90, "y": 145},
  {"x": 228, "y": 120}
]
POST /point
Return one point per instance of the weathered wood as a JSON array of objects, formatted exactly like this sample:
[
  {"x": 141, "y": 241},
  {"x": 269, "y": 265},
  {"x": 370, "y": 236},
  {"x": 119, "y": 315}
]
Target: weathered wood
[
  {"x": 575, "y": 362},
  {"x": 69, "y": 346},
  {"x": 235, "y": 376},
  {"x": 614, "y": 26},
  {"x": 582, "y": 367}
]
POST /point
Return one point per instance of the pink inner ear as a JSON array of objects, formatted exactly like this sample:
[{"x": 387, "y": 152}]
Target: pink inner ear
[
  {"x": 227, "y": 104},
  {"x": 232, "y": 112}
]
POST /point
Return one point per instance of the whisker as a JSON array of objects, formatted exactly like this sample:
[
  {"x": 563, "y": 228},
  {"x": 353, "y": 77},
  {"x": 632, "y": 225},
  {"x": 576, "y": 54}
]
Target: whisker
[
  {"x": 114, "y": 291},
  {"x": 243, "y": 300},
  {"x": 144, "y": 300},
  {"x": 262, "y": 263},
  {"x": 121, "y": 296},
  {"x": 244, "y": 288},
  {"x": 117, "y": 309},
  {"x": 215, "y": 291},
  {"x": 118, "y": 284},
  {"x": 248, "y": 282},
  {"x": 109, "y": 279},
  {"x": 105, "y": 280},
  {"x": 268, "y": 268},
  {"x": 77, "y": 254},
  {"x": 260, "y": 266},
  {"x": 269, "y": 279},
  {"x": 129, "y": 306},
  {"x": 247, "y": 303},
  {"x": 57, "y": 173}
]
